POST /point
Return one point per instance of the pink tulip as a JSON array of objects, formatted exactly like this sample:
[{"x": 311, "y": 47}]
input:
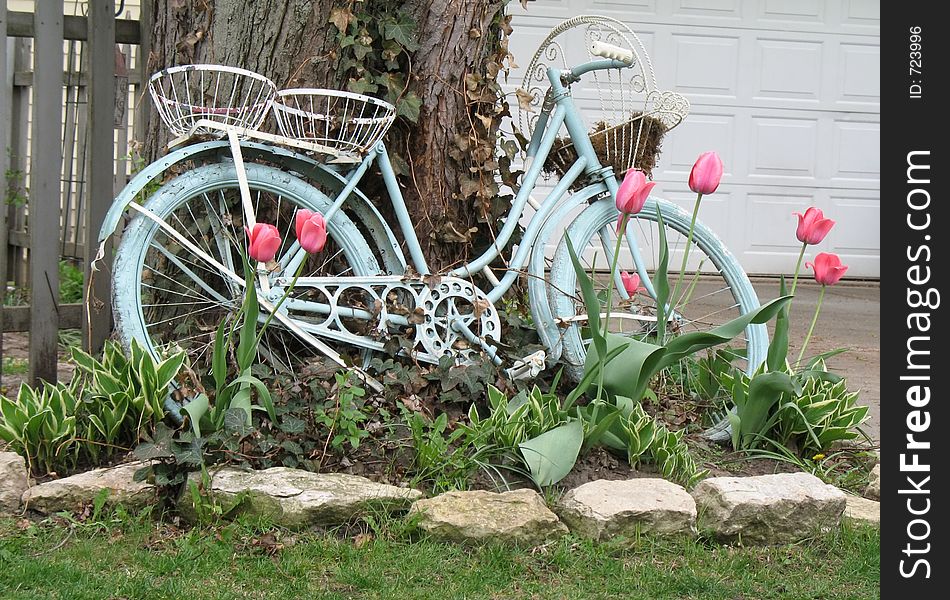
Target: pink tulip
[
  {"x": 812, "y": 226},
  {"x": 264, "y": 242},
  {"x": 633, "y": 192},
  {"x": 828, "y": 268},
  {"x": 631, "y": 283},
  {"x": 311, "y": 230},
  {"x": 706, "y": 173}
]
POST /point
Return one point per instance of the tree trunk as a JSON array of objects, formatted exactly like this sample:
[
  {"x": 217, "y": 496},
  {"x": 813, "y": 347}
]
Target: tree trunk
[{"x": 453, "y": 62}]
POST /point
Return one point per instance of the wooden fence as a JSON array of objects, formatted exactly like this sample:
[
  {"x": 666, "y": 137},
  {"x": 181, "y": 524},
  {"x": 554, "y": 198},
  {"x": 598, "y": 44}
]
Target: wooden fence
[{"x": 64, "y": 134}]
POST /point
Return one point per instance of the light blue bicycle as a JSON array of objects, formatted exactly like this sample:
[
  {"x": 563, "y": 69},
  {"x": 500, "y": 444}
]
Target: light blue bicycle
[{"x": 177, "y": 271}]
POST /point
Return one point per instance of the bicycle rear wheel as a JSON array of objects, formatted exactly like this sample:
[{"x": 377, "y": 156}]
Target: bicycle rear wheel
[
  {"x": 714, "y": 288},
  {"x": 165, "y": 293}
]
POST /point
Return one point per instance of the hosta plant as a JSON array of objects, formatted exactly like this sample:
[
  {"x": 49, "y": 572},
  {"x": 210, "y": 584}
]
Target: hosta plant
[
  {"x": 107, "y": 407},
  {"x": 671, "y": 455},
  {"x": 646, "y": 440},
  {"x": 640, "y": 431},
  {"x": 125, "y": 395},
  {"x": 548, "y": 440},
  {"x": 823, "y": 413},
  {"x": 531, "y": 428},
  {"x": 40, "y": 425},
  {"x": 809, "y": 410}
]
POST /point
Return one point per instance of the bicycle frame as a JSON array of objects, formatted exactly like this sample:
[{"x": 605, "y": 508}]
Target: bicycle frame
[{"x": 562, "y": 111}]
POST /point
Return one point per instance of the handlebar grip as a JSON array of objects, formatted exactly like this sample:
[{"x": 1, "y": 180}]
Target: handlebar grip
[{"x": 605, "y": 50}]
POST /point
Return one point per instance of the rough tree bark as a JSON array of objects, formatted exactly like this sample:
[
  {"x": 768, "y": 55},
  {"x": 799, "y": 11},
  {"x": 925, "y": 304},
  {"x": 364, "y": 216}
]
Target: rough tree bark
[{"x": 292, "y": 43}]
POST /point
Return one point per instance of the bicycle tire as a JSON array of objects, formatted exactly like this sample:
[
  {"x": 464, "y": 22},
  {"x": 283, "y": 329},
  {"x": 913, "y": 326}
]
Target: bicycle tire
[
  {"x": 146, "y": 250},
  {"x": 602, "y": 216}
]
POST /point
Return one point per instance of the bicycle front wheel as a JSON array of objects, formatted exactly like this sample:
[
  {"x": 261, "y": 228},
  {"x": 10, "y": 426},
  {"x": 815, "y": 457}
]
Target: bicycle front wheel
[
  {"x": 166, "y": 293},
  {"x": 714, "y": 288}
]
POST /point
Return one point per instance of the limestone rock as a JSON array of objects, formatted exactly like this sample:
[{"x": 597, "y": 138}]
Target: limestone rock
[
  {"x": 70, "y": 493},
  {"x": 768, "y": 509},
  {"x": 874, "y": 486},
  {"x": 296, "y": 498},
  {"x": 519, "y": 516},
  {"x": 603, "y": 509},
  {"x": 14, "y": 479},
  {"x": 862, "y": 511}
]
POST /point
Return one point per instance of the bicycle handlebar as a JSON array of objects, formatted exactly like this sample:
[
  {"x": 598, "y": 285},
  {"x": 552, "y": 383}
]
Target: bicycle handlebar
[
  {"x": 605, "y": 50},
  {"x": 595, "y": 65},
  {"x": 615, "y": 58}
]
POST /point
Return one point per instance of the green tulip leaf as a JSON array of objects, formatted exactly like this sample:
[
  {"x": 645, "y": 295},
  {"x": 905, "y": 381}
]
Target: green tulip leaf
[
  {"x": 816, "y": 360},
  {"x": 591, "y": 301},
  {"x": 591, "y": 372},
  {"x": 606, "y": 416},
  {"x": 686, "y": 344},
  {"x": 630, "y": 371},
  {"x": 765, "y": 391},
  {"x": 247, "y": 338},
  {"x": 778, "y": 347},
  {"x": 263, "y": 395},
  {"x": 196, "y": 410},
  {"x": 551, "y": 455},
  {"x": 661, "y": 281}
]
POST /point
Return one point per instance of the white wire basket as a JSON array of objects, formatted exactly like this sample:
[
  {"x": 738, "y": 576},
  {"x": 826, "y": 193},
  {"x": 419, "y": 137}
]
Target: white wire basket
[
  {"x": 633, "y": 115},
  {"x": 343, "y": 121},
  {"x": 223, "y": 95}
]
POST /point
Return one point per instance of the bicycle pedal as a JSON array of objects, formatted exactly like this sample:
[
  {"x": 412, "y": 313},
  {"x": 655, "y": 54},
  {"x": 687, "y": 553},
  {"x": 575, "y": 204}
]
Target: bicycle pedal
[{"x": 529, "y": 366}]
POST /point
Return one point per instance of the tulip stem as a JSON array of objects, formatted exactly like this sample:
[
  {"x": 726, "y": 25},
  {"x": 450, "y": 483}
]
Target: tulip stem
[
  {"x": 610, "y": 288},
  {"x": 689, "y": 242},
  {"x": 798, "y": 267},
  {"x": 277, "y": 306},
  {"x": 811, "y": 329}
]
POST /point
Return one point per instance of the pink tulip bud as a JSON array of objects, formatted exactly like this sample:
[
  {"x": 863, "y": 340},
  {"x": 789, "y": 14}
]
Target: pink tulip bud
[
  {"x": 706, "y": 173},
  {"x": 828, "y": 268},
  {"x": 264, "y": 242},
  {"x": 813, "y": 226},
  {"x": 633, "y": 192},
  {"x": 300, "y": 218},
  {"x": 631, "y": 283},
  {"x": 311, "y": 230}
]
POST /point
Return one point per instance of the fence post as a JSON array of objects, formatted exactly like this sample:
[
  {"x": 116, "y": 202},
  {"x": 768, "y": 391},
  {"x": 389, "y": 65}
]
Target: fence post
[
  {"x": 6, "y": 94},
  {"x": 45, "y": 170},
  {"x": 101, "y": 156},
  {"x": 17, "y": 260}
]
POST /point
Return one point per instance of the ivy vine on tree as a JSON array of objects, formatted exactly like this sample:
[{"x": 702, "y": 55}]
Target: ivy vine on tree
[{"x": 375, "y": 44}]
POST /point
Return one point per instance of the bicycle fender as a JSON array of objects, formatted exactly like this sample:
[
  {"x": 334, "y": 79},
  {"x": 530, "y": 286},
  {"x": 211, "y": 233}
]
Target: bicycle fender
[
  {"x": 365, "y": 211},
  {"x": 150, "y": 173},
  {"x": 541, "y": 311}
]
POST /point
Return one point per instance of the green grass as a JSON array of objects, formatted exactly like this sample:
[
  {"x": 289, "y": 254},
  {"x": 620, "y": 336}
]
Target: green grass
[
  {"x": 70, "y": 287},
  {"x": 15, "y": 366},
  {"x": 141, "y": 559}
]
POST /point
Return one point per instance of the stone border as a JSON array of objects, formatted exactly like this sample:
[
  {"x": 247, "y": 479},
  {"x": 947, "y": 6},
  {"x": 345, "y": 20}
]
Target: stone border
[{"x": 766, "y": 509}]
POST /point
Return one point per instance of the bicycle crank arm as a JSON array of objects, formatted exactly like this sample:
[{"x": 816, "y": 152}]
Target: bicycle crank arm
[{"x": 444, "y": 316}]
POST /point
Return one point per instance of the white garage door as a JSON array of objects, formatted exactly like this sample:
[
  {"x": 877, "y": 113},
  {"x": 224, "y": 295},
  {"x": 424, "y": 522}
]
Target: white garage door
[{"x": 787, "y": 91}]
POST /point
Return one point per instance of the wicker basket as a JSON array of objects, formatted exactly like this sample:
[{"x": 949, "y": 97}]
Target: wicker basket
[
  {"x": 225, "y": 95},
  {"x": 634, "y": 143},
  {"x": 343, "y": 121}
]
